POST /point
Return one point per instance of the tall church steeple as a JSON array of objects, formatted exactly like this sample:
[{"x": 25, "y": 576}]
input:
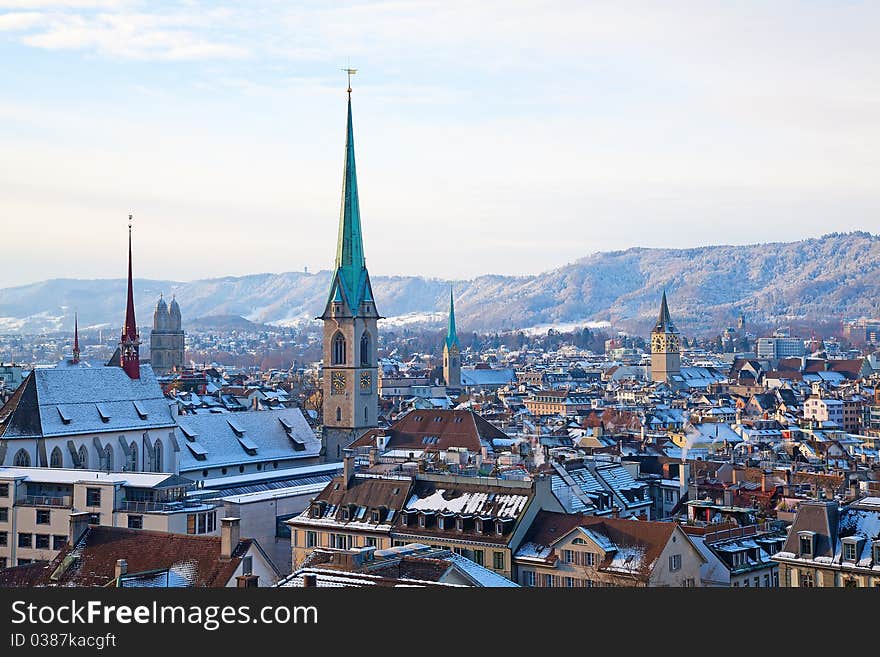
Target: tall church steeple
[
  {"x": 75, "y": 338},
  {"x": 350, "y": 371},
  {"x": 451, "y": 350},
  {"x": 130, "y": 341}
]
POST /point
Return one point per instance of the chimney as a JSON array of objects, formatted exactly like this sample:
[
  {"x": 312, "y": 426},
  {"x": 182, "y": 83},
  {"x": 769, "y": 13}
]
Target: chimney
[
  {"x": 374, "y": 456},
  {"x": 79, "y": 522},
  {"x": 733, "y": 475},
  {"x": 247, "y": 581},
  {"x": 684, "y": 475},
  {"x": 310, "y": 580},
  {"x": 230, "y": 535},
  {"x": 764, "y": 482},
  {"x": 121, "y": 568},
  {"x": 347, "y": 466}
]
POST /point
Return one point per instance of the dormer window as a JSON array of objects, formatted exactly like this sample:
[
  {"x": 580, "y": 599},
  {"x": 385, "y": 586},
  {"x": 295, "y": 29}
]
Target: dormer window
[
  {"x": 404, "y": 518},
  {"x": 499, "y": 527},
  {"x": 374, "y": 515},
  {"x": 441, "y": 523},
  {"x": 346, "y": 514},
  {"x": 478, "y": 525},
  {"x": 422, "y": 520},
  {"x": 459, "y": 524},
  {"x": 877, "y": 553},
  {"x": 806, "y": 543},
  {"x": 849, "y": 551},
  {"x": 316, "y": 511}
]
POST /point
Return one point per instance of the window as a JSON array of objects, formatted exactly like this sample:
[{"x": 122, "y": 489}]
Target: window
[
  {"x": 478, "y": 557},
  {"x": 498, "y": 560},
  {"x": 757, "y": 582},
  {"x": 775, "y": 578},
  {"x": 158, "y": 460},
  {"x": 568, "y": 556},
  {"x": 675, "y": 562},
  {"x": 4, "y": 538},
  {"x": 56, "y": 459},
  {"x": 58, "y": 541},
  {"x": 201, "y": 523},
  {"x": 25, "y": 540},
  {"x": 589, "y": 558},
  {"x": 132, "y": 461},
  {"x": 22, "y": 459},
  {"x": 370, "y": 541},
  {"x": 93, "y": 497},
  {"x": 247, "y": 565},
  {"x": 548, "y": 580},
  {"x": 569, "y": 582},
  {"x": 42, "y": 541},
  {"x": 850, "y": 583},
  {"x": 690, "y": 583},
  {"x": 746, "y": 583},
  {"x": 849, "y": 551},
  {"x": 311, "y": 539},
  {"x": 766, "y": 580},
  {"x": 135, "y": 522},
  {"x": 339, "y": 349},
  {"x": 807, "y": 580},
  {"x": 365, "y": 349},
  {"x": 806, "y": 546},
  {"x": 2, "y": 562},
  {"x": 83, "y": 457},
  {"x": 528, "y": 578},
  {"x": 4, "y": 490},
  {"x": 374, "y": 515},
  {"x": 346, "y": 515},
  {"x": 441, "y": 522},
  {"x": 94, "y": 518},
  {"x": 4, "y": 514},
  {"x": 24, "y": 562},
  {"x": 877, "y": 554},
  {"x": 44, "y": 517}
]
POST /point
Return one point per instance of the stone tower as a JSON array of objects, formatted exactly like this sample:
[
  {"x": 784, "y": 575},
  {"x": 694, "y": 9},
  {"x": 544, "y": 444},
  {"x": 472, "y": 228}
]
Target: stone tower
[
  {"x": 451, "y": 351},
  {"x": 350, "y": 386},
  {"x": 167, "y": 339},
  {"x": 665, "y": 346}
]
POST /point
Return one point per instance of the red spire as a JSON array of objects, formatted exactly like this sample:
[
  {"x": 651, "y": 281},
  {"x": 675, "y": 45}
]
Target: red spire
[
  {"x": 129, "y": 353},
  {"x": 75, "y": 339}
]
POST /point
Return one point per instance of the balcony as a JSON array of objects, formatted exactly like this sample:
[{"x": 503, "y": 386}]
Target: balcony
[
  {"x": 64, "y": 501},
  {"x": 161, "y": 507}
]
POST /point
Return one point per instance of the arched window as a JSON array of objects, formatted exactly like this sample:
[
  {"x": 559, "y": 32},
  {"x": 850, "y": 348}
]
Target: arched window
[
  {"x": 365, "y": 413},
  {"x": 83, "y": 457},
  {"x": 107, "y": 460},
  {"x": 365, "y": 349},
  {"x": 132, "y": 457},
  {"x": 56, "y": 460},
  {"x": 338, "y": 349},
  {"x": 22, "y": 459},
  {"x": 338, "y": 414},
  {"x": 157, "y": 463}
]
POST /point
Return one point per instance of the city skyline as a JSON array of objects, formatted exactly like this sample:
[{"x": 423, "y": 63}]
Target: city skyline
[{"x": 526, "y": 144}]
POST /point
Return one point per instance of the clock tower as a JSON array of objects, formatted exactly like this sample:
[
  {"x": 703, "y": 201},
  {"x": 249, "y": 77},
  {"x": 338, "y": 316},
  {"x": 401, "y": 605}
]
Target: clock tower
[
  {"x": 452, "y": 351},
  {"x": 665, "y": 346},
  {"x": 350, "y": 385}
]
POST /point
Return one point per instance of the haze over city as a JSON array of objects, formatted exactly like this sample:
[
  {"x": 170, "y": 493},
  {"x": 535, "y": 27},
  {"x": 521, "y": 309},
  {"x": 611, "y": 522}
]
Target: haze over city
[{"x": 504, "y": 137}]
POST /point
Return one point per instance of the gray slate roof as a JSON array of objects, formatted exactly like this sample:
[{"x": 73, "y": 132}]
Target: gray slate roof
[{"x": 72, "y": 400}]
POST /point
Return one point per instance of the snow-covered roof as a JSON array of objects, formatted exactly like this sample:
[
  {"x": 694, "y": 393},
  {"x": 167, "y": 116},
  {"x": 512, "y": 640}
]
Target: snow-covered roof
[
  {"x": 234, "y": 438},
  {"x": 470, "y": 503},
  {"x": 72, "y": 476}
]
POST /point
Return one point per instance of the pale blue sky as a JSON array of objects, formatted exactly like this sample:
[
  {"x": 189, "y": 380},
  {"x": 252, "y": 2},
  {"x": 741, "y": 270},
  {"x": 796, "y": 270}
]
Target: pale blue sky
[{"x": 492, "y": 137}]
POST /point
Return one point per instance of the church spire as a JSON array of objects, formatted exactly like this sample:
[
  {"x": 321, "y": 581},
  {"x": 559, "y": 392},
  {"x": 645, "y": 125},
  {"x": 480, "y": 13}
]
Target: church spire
[
  {"x": 129, "y": 352},
  {"x": 75, "y": 339},
  {"x": 451, "y": 333},
  {"x": 664, "y": 321},
  {"x": 350, "y": 262}
]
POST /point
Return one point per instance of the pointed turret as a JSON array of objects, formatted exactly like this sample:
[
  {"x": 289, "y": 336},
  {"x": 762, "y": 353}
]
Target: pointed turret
[
  {"x": 130, "y": 340},
  {"x": 451, "y": 350},
  {"x": 75, "y": 339}
]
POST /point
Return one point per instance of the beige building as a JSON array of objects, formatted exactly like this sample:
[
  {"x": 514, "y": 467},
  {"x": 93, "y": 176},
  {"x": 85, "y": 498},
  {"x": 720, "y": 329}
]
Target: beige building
[
  {"x": 562, "y": 550},
  {"x": 832, "y": 546},
  {"x": 36, "y": 506}
]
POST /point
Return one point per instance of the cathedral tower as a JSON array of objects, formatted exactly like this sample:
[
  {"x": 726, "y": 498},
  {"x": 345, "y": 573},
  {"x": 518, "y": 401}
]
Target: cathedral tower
[
  {"x": 350, "y": 386},
  {"x": 665, "y": 346},
  {"x": 167, "y": 339},
  {"x": 451, "y": 351}
]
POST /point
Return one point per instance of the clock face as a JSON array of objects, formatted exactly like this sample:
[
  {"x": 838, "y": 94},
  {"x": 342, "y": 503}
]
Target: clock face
[
  {"x": 657, "y": 343},
  {"x": 366, "y": 381},
  {"x": 337, "y": 383},
  {"x": 673, "y": 343}
]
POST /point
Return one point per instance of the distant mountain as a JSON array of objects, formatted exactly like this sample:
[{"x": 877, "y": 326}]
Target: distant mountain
[{"x": 708, "y": 287}]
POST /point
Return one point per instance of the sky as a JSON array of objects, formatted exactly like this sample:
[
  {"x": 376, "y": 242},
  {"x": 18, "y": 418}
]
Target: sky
[{"x": 492, "y": 137}]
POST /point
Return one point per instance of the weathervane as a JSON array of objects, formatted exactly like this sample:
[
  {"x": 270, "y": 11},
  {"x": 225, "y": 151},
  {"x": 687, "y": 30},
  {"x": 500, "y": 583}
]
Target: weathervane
[{"x": 350, "y": 71}]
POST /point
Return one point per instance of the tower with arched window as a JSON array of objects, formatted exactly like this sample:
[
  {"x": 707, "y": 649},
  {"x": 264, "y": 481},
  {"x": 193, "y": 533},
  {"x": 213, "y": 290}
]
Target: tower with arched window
[{"x": 351, "y": 397}]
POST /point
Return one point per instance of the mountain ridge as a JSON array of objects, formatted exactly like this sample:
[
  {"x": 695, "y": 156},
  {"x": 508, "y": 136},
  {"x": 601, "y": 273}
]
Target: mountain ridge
[{"x": 708, "y": 286}]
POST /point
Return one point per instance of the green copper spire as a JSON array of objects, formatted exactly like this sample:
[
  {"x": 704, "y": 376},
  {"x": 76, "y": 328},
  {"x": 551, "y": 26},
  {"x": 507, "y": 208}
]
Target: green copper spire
[
  {"x": 350, "y": 263},
  {"x": 451, "y": 334}
]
